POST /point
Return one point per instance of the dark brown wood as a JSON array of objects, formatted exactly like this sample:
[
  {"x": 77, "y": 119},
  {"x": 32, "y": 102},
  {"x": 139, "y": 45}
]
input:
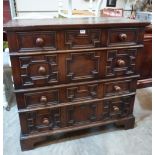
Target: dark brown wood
[
  {"x": 146, "y": 60},
  {"x": 129, "y": 124},
  {"x": 74, "y": 74},
  {"x": 94, "y": 22},
  {"x": 28, "y": 144}
]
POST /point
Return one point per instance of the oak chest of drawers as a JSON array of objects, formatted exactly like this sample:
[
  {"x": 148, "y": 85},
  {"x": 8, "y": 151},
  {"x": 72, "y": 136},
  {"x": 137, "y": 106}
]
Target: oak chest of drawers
[{"x": 73, "y": 74}]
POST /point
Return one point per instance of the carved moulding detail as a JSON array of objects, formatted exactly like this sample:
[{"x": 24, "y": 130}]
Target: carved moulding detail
[
  {"x": 29, "y": 69},
  {"x": 127, "y": 55},
  {"x": 82, "y": 66}
]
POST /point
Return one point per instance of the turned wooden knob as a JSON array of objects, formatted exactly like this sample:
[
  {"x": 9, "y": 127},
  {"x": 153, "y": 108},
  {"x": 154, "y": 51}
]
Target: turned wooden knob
[
  {"x": 122, "y": 36},
  {"x": 45, "y": 121},
  {"x": 120, "y": 62},
  {"x": 117, "y": 88},
  {"x": 43, "y": 99},
  {"x": 116, "y": 108},
  {"x": 40, "y": 42},
  {"x": 42, "y": 70}
]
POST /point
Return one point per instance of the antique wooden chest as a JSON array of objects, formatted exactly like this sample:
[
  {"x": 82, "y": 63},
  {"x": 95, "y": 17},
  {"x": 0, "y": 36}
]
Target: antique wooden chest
[{"x": 73, "y": 74}]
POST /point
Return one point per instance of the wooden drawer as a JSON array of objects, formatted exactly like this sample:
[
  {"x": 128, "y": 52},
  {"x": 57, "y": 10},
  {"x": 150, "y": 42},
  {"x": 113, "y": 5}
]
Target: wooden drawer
[
  {"x": 51, "y": 69},
  {"x": 82, "y": 38},
  {"x": 117, "y": 37},
  {"x": 121, "y": 62},
  {"x": 67, "y": 94},
  {"x": 120, "y": 87},
  {"x": 34, "y": 41},
  {"x": 76, "y": 115},
  {"x": 35, "y": 70}
]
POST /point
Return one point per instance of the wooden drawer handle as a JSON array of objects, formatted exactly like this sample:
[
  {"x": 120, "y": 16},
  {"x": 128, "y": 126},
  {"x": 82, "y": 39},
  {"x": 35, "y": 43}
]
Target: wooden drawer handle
[
  {"x": 122, "y": 36},
  {"x": 116, "y": 109},
  {"x": 40, "y": 42},
  {"x": 120, "y": 62},
  {"x": 45, "y": 121},
  {"x": 42, "y": 70},
  {"x": 43, "y": 99},
  {"x": 117, "y": 88}
]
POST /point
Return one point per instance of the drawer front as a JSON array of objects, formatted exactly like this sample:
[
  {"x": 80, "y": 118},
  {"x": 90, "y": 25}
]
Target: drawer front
[
  {"x": 120, "y": 87},
  {"x": 76, "y": 93},
  {"x": 122, "y": 37},
  {"x": 37, "y": 70},
  {"x": 121, "y": 62},
  {"x": 76, "y": 115},
  {"x": 82, "y": 38},
  {"x": 51, "y": 69},
  {"x": 34, "y": 41}
]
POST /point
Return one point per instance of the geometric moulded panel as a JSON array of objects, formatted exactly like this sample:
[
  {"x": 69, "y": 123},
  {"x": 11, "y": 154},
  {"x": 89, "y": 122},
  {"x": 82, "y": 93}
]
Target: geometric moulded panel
[
  {"x": 82, "y": 66},
  {"x": 85, "y": 38},
  {"x": 38, "y": 70},
  {"x": 121, "y": 62}
]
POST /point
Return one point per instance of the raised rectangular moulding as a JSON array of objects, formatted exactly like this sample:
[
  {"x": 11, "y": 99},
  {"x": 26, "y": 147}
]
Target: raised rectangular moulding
[
  {"x": 83, "y": 38},
  {"x": 36, "y": 70},
  {"x": 122, "y": 62},
  {"x": 120, "y": 87},
  {"x": 36, "y": 41},
  {"x": 123, "y": 37}
]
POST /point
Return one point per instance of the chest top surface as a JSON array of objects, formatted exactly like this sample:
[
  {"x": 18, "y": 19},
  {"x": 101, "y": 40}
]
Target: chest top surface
[{"x": 62, "y": 23}]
